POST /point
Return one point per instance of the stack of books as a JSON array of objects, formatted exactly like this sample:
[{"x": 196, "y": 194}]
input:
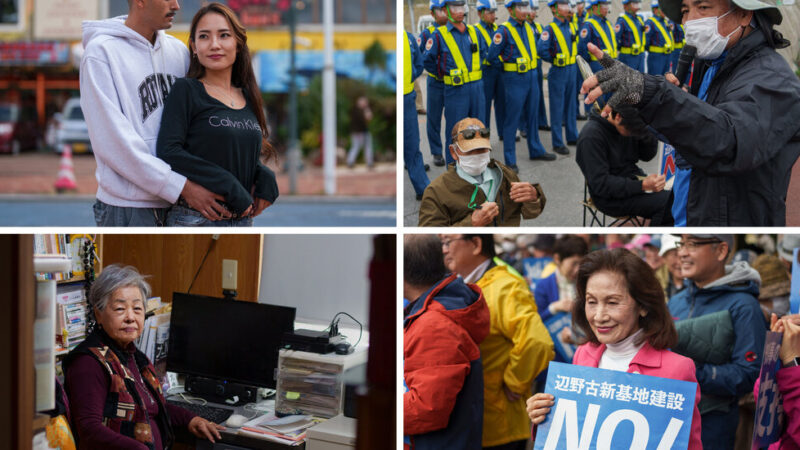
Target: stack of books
[{"x": 70, "y": 316}]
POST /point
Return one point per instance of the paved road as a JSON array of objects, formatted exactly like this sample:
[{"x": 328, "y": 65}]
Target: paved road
[{"x": 22, "y": 210}]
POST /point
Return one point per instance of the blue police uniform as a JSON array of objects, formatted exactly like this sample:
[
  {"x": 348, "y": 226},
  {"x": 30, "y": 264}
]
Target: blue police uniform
[
  {"x": 463, "y": 95},
  {"x": 578, "y": 20},
  {"x": 598, "y": 31},
  {"x": 541, "y": 110},
  {"x": 679, "y": 40},
  {"x": 492, "y": 80},
  {"x": 411, "y": 154},
  {"x": 537, "y": 33},
  {"x": 435, "y": 102},
  {"x": 561, "y": 79},
  {"x": 629, "y": 52},
  {"x": 519, "y": 79},
  {"x": 659, "y": 45}
]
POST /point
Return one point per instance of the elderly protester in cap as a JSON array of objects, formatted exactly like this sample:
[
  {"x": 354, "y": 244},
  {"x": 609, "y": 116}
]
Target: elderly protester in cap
[
  {"x": 478, "y": 190},
  {"x": 620, "y": 307},
  {"x": 115, "y": 395},
  {"x": 735, "y": 130}
]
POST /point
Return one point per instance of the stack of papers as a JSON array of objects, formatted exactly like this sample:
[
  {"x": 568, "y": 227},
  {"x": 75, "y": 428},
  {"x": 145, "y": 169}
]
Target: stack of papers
[{"x": 289, "y": 430}]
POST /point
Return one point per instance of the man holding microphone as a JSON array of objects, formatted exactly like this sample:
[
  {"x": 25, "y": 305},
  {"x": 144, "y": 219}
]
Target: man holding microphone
[{"x": 737, "y": 128}]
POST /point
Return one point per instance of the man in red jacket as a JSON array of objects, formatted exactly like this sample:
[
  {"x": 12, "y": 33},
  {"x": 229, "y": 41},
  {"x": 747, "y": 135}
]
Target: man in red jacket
[{"x": 444, "y": 322}]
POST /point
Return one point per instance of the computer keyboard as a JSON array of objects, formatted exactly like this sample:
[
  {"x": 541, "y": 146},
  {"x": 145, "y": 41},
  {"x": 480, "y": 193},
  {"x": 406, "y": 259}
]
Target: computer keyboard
[{"x": 208, "y": 412}]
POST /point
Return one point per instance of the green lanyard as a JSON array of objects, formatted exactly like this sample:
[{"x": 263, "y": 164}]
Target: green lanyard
[{"x": 472, "y": 204}]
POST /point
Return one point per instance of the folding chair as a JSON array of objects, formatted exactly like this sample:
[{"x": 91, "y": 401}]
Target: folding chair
[{"x": 599, "y": 217}]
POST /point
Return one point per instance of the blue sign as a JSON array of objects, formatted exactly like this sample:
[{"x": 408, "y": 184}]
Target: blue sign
[
  {"x": 607, "y": 409},
  {"x": 768, "y": 422},
  {"x": 668, "y": 161},
  {"x": 554, "y": 325},
  {"x": 532, "y": 269},
  {"x": 794, "y": 296}
]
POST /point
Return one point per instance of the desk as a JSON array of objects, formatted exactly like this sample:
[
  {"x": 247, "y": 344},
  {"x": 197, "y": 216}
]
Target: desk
[{"x": 230, "y": 439}]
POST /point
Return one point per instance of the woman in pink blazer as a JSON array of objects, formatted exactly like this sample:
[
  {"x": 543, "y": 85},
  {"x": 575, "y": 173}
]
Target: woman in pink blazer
[{"x": 621, "y": 307}]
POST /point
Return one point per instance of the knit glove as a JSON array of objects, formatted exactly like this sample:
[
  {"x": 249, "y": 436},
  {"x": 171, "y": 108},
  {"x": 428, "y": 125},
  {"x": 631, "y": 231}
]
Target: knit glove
[{"x": 626, "y": 84}]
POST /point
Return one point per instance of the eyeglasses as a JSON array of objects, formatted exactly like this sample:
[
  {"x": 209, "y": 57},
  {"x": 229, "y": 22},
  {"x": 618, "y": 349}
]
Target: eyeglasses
[
  {"x": 446, "y": 244},
  {"x": 471, "y": 133},
  {"x": 692, "y": 245}
]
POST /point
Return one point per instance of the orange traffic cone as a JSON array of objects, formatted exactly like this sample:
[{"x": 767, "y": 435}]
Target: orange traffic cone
[{"x": 66, "y": 172}]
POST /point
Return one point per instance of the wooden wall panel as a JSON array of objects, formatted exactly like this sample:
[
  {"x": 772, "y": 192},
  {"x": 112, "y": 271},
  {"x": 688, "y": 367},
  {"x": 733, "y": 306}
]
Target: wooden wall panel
[{"x": 173, "y": 259}]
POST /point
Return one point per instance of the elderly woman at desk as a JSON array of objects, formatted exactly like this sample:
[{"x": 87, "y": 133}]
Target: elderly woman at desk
[{"x": 114, "y": 394}]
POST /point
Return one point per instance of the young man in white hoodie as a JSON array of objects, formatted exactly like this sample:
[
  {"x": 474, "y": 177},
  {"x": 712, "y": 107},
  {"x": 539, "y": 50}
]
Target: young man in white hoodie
[{"x": 127, "y": 70}]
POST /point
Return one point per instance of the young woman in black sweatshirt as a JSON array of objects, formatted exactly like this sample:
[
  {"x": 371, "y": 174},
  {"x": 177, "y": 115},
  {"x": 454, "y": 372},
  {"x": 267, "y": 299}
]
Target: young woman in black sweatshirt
[{"x": 213, "y": 130}]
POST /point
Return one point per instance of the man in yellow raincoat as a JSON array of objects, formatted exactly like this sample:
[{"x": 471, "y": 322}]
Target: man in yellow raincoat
[{"x": 518, "y": 346}]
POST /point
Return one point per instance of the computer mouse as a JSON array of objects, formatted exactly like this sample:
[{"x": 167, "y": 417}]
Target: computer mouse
[
  {"x": 342, "y": 349},
  {"x": 236, "y": 421}
]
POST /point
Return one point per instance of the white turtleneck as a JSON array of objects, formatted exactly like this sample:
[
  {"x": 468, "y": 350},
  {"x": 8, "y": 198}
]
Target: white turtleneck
[{"x": 618, "y": 356}]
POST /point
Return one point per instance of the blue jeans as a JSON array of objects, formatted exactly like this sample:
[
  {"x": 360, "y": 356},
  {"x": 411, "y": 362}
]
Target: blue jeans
[
  {"x": 181, "y": 216},
  {"x": 106, "y": 215}
]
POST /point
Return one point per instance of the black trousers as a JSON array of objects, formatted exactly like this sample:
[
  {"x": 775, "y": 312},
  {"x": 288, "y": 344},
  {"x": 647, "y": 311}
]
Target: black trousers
[{"x": 656, "y": 206}]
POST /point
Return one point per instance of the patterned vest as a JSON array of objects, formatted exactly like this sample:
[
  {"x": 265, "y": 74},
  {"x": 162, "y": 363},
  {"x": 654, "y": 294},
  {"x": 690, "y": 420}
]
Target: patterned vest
[{"x": 124, "y": 411}]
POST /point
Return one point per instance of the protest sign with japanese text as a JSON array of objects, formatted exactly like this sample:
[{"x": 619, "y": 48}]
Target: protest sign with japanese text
[
  {"x": 554, "y": 325},
  {"x": 768, "y": 423},
  {"x": 606, "y": 409}
]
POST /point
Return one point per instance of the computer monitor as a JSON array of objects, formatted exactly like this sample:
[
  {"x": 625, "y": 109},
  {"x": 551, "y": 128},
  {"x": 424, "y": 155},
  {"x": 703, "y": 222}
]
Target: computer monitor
[{"x": 228, "y": 340}]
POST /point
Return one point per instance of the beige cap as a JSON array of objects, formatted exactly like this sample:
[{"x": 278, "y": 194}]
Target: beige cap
[{"x": 467, "y": 145}]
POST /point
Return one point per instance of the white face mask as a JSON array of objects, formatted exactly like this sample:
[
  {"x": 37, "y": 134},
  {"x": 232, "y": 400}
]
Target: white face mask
[
  {"x": 473, "y": 164},
  {"x": 508, "y": 247},
  {"x": 704, "y": 35}
]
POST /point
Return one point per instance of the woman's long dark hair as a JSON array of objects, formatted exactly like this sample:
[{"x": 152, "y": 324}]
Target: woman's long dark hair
[{"x": 242, "y": 75}]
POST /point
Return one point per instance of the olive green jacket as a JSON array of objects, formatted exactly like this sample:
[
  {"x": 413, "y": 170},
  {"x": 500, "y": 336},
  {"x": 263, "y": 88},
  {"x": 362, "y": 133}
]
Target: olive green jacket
[{"x": 445, "y": 201}]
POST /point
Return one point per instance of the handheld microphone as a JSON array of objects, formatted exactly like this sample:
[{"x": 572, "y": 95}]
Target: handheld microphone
[{"x": 685, "y": 63}]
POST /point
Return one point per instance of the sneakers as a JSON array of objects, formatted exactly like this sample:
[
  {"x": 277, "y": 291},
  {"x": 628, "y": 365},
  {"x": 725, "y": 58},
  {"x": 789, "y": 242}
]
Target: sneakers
[
  {"x": 438, "y": 160},
  {"x": 421, "y": 112},
  {"x": 427, "y": 167},
  {"x": 419, "y": 197},
  {"x": 544, "y": 157},
  {"x": 561, "y": 150},
  {"x": 582, "y": 117},
  {"x": 544, "y": 127},
  {"x": 572, "y": 142}
]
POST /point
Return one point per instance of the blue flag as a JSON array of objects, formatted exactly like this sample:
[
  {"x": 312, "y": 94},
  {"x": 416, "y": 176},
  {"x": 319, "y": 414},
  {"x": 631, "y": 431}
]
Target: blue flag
[
  {"x": 608, "y": 409},
  {"x": 794, "y": 296}
]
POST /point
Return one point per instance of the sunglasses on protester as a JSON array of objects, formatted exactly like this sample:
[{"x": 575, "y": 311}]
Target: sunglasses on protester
[{"x": 472, "y": 133}]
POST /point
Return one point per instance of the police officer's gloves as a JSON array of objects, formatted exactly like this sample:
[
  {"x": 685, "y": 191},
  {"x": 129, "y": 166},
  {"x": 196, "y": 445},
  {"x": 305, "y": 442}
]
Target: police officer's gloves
[{"x": 626, "y": 84}]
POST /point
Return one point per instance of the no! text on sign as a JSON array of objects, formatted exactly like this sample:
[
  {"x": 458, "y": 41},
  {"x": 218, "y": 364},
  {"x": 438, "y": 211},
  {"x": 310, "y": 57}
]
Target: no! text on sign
[{"x": 605, "y": 409}]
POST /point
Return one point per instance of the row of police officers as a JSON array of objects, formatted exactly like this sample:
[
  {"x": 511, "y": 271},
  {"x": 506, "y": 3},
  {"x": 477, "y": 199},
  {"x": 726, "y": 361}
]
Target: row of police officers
[{"x": 472, "y": 67}]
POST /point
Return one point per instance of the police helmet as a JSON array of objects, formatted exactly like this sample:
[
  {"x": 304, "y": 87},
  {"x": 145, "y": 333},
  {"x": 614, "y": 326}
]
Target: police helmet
[
  {"x": 491, "y": 5},
  {"x": 437, "y": 4},
  {"x": 654, "y": 4},
  {"x": 672, "y": 9},
  {"x": 512, "y": 3},
  {"x": 625, "y": 2},
  {"x": 598, "y": 2},
  {"x": 455, "y": 2},
  {"x": 554, "y": 2},
  {"x": 535, "y": 5}
]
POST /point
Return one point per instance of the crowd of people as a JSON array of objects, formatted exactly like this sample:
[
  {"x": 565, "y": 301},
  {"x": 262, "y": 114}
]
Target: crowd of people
[
  {"x": 476, "y": 347},
  {"x": 733, "y": 117}
]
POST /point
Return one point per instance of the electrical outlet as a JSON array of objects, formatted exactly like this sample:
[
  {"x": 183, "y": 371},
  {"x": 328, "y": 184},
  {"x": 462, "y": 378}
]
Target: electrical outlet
[{"x": 229, "y": 274}]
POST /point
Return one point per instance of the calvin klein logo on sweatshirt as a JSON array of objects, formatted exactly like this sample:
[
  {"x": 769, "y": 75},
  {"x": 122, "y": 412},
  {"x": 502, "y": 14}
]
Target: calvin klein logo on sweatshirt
[
  {"x": 217, "y": 121},
  {"x": 152, "y": 92}
]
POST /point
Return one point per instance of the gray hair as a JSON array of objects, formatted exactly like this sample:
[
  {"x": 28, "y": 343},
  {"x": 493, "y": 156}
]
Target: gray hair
[{"x": 112, "y": 278}]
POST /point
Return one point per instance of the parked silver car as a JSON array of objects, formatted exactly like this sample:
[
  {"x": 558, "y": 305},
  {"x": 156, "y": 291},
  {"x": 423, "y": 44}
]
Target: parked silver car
[{"x": 69, "y": 127}]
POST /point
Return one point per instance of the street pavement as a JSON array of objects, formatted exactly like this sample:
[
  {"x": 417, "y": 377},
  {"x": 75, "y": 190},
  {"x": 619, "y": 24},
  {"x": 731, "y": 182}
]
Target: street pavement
[
  {"x": 288, "y": 211},
  {"x": 365, "y": 197},
  {"x": 562, "y": 180}
]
